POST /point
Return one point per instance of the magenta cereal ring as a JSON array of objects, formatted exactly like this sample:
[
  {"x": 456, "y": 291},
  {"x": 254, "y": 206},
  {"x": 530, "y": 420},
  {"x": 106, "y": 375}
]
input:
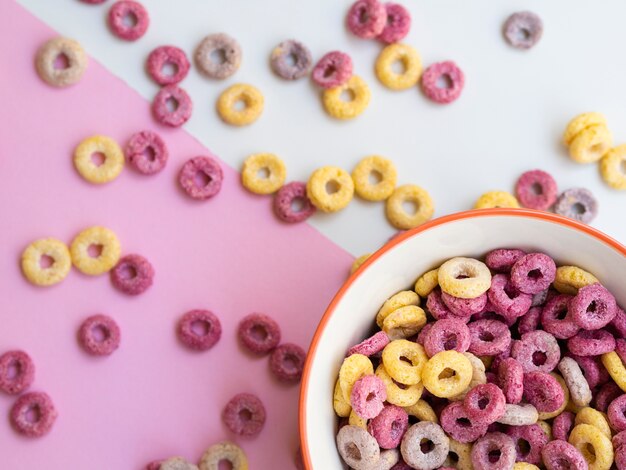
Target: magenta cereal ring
[
  {"x": 167, "y": 56},
  {"x": 543, "y": 391},
  {"x": 511, "y": 380},
  {"x": 372, "y": 345},
  {"x": 120, "y": 14},
  {"x": 620, "y": 458},
  {"x": 530, "y": 321},
  {"x": 438, "y": 309},
  {"x": 201, "y": 177},
  {"x": 618, "y": 324},
  {"x": 562, "y": 425},
  {"x": 366, "y": 18},
  {"x": 421, "y": 336},
  {"x": 389, "y": 426},
  {"x": 536, "y": 189},
  {"x": 529, "y": 441},
  {"x": 258, "y": 333},
  {"x": 132, "y": 275},
  {"x": 398, "y": 23},
  {"x": 332, "y": 70},
  {"x": 503, "y": 259},
  {"x": 603, "y": 398},
  {"x": 456, "y": 422},
  {"x": 493, "y": 451},
  {"x": 489, "y": 337},
  {"x": 146, "y": 152},
  {"x": 368, "y": 396},
  {"x": 591, "y": 343},
  {"x": 620, "y": 349},
  {"x": 99, "y": 335},
  {"x": 244, "y": 415},
  {"x": 593, "y": 370},
  {"x": 287, "y": 362},
  {"x": 561, "y": 455},
  {"x": 619, "y": 440},
  {"x": 593, "y": 307},
  {"x": 448, "y": 71},
  {"x": 37, "y": 404},
  {"x": 291, "y": 195},
  {"x": 172, "y": 106},
  {"x": 485, "y": 403},
  {"x": 556, "y": 319},
  {"x": 154, "y": 465},
  {"x": 533, "y": 273},
  {"x": 447, "y": 334},
  {"x": 199, "y": 329},
  {"x": 17, "y": 372},
  {"x": 617, "y": 413},
  {"x": 506, "y": 299},
  {"x": 464, "y": 307},
  {"x": 537, "y": 350}
]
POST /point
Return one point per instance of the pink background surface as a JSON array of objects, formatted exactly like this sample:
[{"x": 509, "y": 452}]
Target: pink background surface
[{"x": 152, "y": 398}]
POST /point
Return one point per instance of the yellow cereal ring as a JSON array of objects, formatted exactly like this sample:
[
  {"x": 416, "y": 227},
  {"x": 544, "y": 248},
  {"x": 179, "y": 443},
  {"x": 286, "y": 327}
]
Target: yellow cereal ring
[
  {"x": 546, "y": 428},
  {"x": 466, "y": 278},
  {"x": 459, "y": 456},
  {"x": 411, "y": 63},
  {"x": 545, "y": 415},
  {"x": 404, "y": 372},
  {"x": 410, "y": 193},
  {"x": 487, "y": 361},
  {"x": 251, "y": 98},
  {"x": 478, "y": 375},
  {"x": 224, "y": 452},
  {"x": 591, "y": 144},
  {"x": 427, "y": 282},
  {"x": 434, "y": 374},
  {"x": 586, "y": 437},
  {"x": 496, "y": 199},
  {"x": 263, "y": 162},
  {"x": 588, "y": 415},
  {"x": 340, "y": 109},
  {"x": 352, "y": 369},
  {"x": 422, "y": 411},
  {"x": 580, "y": 123},
  {"x": 571, "y": 278},
  {"x": 378, "y": 167},
  {"x": 396, "y": 395},
  {"x": 615, "y": 367},
  {"x": 61, "y": 261},
  {"x": 524, "y": 466},
  {"x": 573, "y": 407},
  {"x": 317, "y": 188},
  {"x": 401, "y": 299},
  {"x": 342, "y": 407},
  {"x": 404, "y": 322},
  {"x": 358, "y": 262},
  {"x": 613, "y": 167},
  {"x": 355, "y": 420},
  {"x": 110, "y": 168},
  {"x": 98, "y": 237}
]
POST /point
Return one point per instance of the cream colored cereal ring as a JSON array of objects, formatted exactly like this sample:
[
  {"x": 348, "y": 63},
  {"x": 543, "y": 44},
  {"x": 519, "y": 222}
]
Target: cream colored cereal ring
[
  {"x": 109, "y": 254},
  {"x": 493, "y": 199},
  {"x": 613, "y": 167},
  {"x": 177, "y": 463},
  {"x": 336, "y": 107},
  {"x": 591, "y": 144},
  {"x": 401, "y": 299},
  {"x": 427, "y": 282},
  {"x": 358, "y": 262},
  {"x": 580, "y": 123},
  {"x": 374, "y": 165},
  {"x": 407, "y": 373},
  {"x": 579, "y": 390},
  {"x": 463, "y": 453},
  {"x": 405, "y": 396},
  {"x": 269, "y": 163},
  {"x": 340, "y": 405},
  {"x": 422, "y": 411},
  {"x": 60, "y": 257},
  {"x": 466, "y": 278},
  {"x": 411, "y": 65},
  {"x": 569, "y": 279},
  {"x": 224, "y": 451},
  {"x": 519, "y": 415},
  {"x": 251, "y": 98},
  {"x": 110, "y": 168},
  {"x": 51, "y": 51},
  {"x": 317, "y": 189},
  {"x": 352, "y": 369},
  {"x": 411, "y": 193},
  {"x": 404, "y": 322}
]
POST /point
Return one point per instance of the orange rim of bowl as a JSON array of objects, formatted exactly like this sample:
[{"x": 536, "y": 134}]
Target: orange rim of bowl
[{"x": 528, "y": 213}]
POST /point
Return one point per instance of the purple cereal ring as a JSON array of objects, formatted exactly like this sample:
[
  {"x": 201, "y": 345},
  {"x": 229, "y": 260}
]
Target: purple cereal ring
[
  {"x": 120, "y": 14},
  {"x": 154, "y": 465},
  {"x": 172, "y": 57},
  {"x": 536, "y": 189},
  {"x": 17, "y": 372},
  {"x": 537, "y": 350},
  {"x": 578, "y": 204},
  {"x": 593, "y": 307},
  {"x": 244, "y": 415},
  {"x": 608, "y": 392},
  {"x": 618, "y": 324},
  {"x": 498, "y": 358},
  {"x": 456, "y": 422},
  {"x": 591, "y": 343},
  {"x": 389, "y": 426},
  {"x": 172, "y": 106},
  {"x": 511, "y": 380},
  {"x": 33, "y": 404},
  {"x": 199, "y": 329},
  {"x": 594, "y": 371},
  {"x": 617, "y": 413},
  {"x": 99, "y": 335},
  {"x": 523, "y": 30},
  {"x": 464, "y": 307},
  {"x": 493, "y": 451},
  {"x": 452, "y": 76},
  {"x": 561, "y": 455},
  {"x": 301, "y": 60},
  {"x": 529, "y": 441},
  {"x": 366, "y": 18},
  {"x": 368, "y": 396},
  {"x": 332, "y": 70},
  {"x": 503, "y": 259},
  {"x": 540, "y": 298},
  {"x": 398, "y": 23},
  {"x": 533, "y": 273},
  {"x": 530, "y": 321},
  {"x": 146, "y": 152},
  {"x": 132, "y": 275},
  {"x": 489, "y": 337},
  {"x": 421, "y": 336},
  {"x": 447, "y": 334},
  {"x": 620, "y": 458},
  {"x": 372, "y": 345},
  {"x": 291, "y": 203},
  {"x": 201, "y": 177},
  {"x": 287, "y": 362},
  {"x": 619, "y": 440},
  {"x": 506, "y": 299},
  {"x": 620, "y": 349},
  {"x": 485, "y": 403},
  {"x": 562, "y": 425},
  {"x": 543, "y": 391},
  {"x": 556, "y": 319},
  {"x": 437, "y": 308},
  {"x": 258, "y": 333}
]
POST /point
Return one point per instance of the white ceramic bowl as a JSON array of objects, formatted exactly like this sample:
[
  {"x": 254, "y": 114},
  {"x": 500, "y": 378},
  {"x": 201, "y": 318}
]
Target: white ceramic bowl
[{"x": 397, "y": 265}]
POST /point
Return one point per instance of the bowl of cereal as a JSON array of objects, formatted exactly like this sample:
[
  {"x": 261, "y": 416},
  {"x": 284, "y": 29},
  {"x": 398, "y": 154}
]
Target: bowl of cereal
[{"x": 476, "y": 335}]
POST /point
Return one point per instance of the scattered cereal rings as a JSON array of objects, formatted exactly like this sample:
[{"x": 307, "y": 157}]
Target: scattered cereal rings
[
  {"x": 37, "y": 253},
  {"x": 291, "y": 203},
  {"x": 98, "y": 237},
  {"x": 38, "y": 404},
  {"x": 613, "y": 167},
  {"x": 199, "y": 329},
  {"x": 332, "y": 70},
  {"x": 367, "y": 18},
  {"x": 591, "y": 144},
  {"x": 445, "y": 387},
  {"x": 164, "y": 56},
  {"x": 543, "y": 415},
  {"x": 146, "y": 152},
  {"x": 274, "y": 169},
  {"x": 111, "y": 166},
  {"x": 422, "y": 411},
  {"x": 17, "y": 372},
  {"x": 132, "y": 275},
  {"x": 595, "y": 418},
  {"x": 301, "y": 60},
  {"x": 330, "y": 178},
  {"x": 398, "y": 23},
  {"x": 53, "y": 50},
  {"x": 466, "y": 278},
  {"x": 389, "y": 426},
  {"x": 227, "y": 47},
  {"x": 244, "y": 415},
  {"x": 224, "y": 451},
  {"x": 287, "y": 362},
  {"x": 374, "y": 166},
  {"x": 519, "y": 415},
  {"x": 411, "y": 63},
  {"x": 360, "y": 95},
  {"x": 409, "y": 193},
  {"x": 580, "y": 123},
  {"x": 496, "y": 199},
  {"x": 459, "y": 455},
  {"x": 578, "y": 204},
  {"x": 172, "y": 106},
  {"x": 396, "y": 301},
  {"x": 251, "y": 98},
  {"x": 536, "y": 189},
  {"x": 99, "y": 335},
  {"x": 448, "y": 71},
  {"x": 523, "y": 29},
  {"x": 201, "y": 177},
  {"x": 259, "y": 333},
  {"x": 578, "y": 386},
  {"x": 124, "y": 9}
]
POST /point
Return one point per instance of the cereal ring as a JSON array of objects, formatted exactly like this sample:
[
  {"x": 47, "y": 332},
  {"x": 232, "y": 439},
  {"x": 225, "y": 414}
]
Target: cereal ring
[
  {"x": 224, "y": 451},
  {"x": 543, "y": 391},
  {"x": 616, "y": 369},
  {"x": 372, "y": 345},
  {"x": 456, "y": 422},
  {"x": 612, "y": 167},
  {"x": 199, "y": 329},
  {"x": 405, "y": 395},
  {"x": 536, "y": 189},
  {"x": 366, "y": 18},
  {"x": 593, "y": 307},
  {"x": 566, "y": 402},
  {"x": 404, "y": 322},
  {"x": 546, "y": 428},
  {"x": 251, "y": 98},
  {"x": 530, "y": 321},
  {"x": 172, "y": 106},
  {"x": 437, "y": 446},
  {"x": 379, "y": 167},
  {"x": 506, "y": 299},
  {"x": 132, "y": 275},
  {"x": 561, "y": 455},
  {"x": 333, "y": 69},
  {"x": 413, "y": 194},
  {"x": 503, "y": 259},
  {"x": 595, "y": 418},
  {"x": 594, "y": 446},
  {"x": 358, "y": 92},
  {"x": 263, "y": 173},
  {"x": 492, "y": 199},
  {"x": 451, "y": 361},
  {"x": 556, "y": 318},
  {"x": 563, "y": 425},
  {"x": 452, "y": 77},
  {"x": 398, "y": 23},
  {"x": 70, "y": 71},
  {"x": 478, "y": 376},
  {"x": 291, "y": 203},
  {"x": 618, "y": 324},
  {"x": 287, "y": 362},
  {"x": 485, "y": 403},
  {"x": 17, "y": 372},
  {"x": 177, "y": 463},
  {"x": 446, "y": 334},
  {"x": 352, "y": 369},
  {"x": 164, "y": 57},
  {"x": 533, "y": 273},
  {"x": 104, "y": 241},
  {"x": 529, "y": 441},
  {"x": 367, "y": 396},
  {"x": 511, "y": 380},
  {"x": 299, "y": 55},
  {"x": 578, "y": 204},
  {"x": 617, "y": 415},
  {"x": 537, "y": 351},
  {"x": 422, "y": 411},
  {"x": 493, "y": 451},
  {"x": 591, "y": 144},
  {"x": 33, "y": 404},
  {"x": 154, "y": 465},
  {"x": 523, "y": 29},
  {"x": 602, "y": 399},
  {"x": 411, "y": 63},
  {"x": 388, "y": 459},
  {"x": 524, "y": 466},
  {"x": 540, "y": 297},
  {"x": 258, "y": 333},
  {"x": 466, "y": 278},
  {"x": 591, "y": 343},
  {"x": 146, "y": 152},
  {"x": 340, "y": 405},
  {"x": 436, "y": 307},
  {"x": 407, "y": 373},
  {"x": 519, "y": 415},
  {"x": 112, "y": 160},
  {"x": 244, "y": 415},
  {"x": 330, "y": 188},
  {"x": 123, "y": 10},
  {"x": 35, "y": 258},
  {"x": 227, "y": 49},
  {"x": 580, "y": 123},
  {"x": 579, "y": 390},
  {"x": 201, "y": 177},
  {"x": 427, "y": 282},
  {"x": 356, "y": 264},
  {"x": 357, "y": 447},
  {"x": 459, "y": 455},
  {"x": 464, "y": 307},
  {"x": 99, "y": 335},
  {"x": 388, "y": 427}
]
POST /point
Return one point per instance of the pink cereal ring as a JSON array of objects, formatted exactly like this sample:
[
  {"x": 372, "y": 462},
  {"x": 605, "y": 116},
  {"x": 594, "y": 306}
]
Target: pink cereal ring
[
  {"x": 332, "y": 70},
  {"x": 617, "y": 413},
  {"x": 511, "y": 380},
  {"x": 530, "y": 321},
  {"x": 561, "y": 455},
  {"x": 506, "y": 299},
  {"x": 244, "y": 415},
  {"x": 536, "y": 189},
  {"x": 464, "y": 307},
  {"x": 620, "y": 349},
  {"x": 17, "y": 372},
  {"x": 368, "y": 396},
  {"x": 537, "y": 350},
  {"x": 372, "y": 345},
  {"x": 367, "y": 18},
  {"x": 287, "y": 197},
  {"x": 201, "y": 177},
  {"x": 421, "y": 336},
  {"x": 619, "y": 440},
  {"x": 167, "y": 56},
  {"x": 443, "y": 70},
  {"x": 258, "y": 333},
  {"x": 529, "y": 441},
  {"x": 146, "y": 152},
  {"x": 562, "y": 425},
  {"x": 543, "y": 391},
  {"x": 199, "y": 329},
  {"x": 591, "y": 343},
  {"x": 555, "y": 317},
  {"x": 389, "y": 426},
  {"x": 120, "y": 14},
  {"x": 593, "y": 307},
  {"x": 620, "y": 458},
  {"x": 437, "y": 308},
  {"x": 503, "y": 259},
  {"x": 489, "y": 337},
  {"x": 619, "y": 322},
  {"x": 99, "y": 335},
  {"x": 287, "y": 362},
  {"x": 172, "y": 106},
  {"x": 447, "y": 334},
  {"x": 37, "y": 404},
  {"x": 132, "y": 275},
  {"x": 154, "y": 465},
  {"x": 533, "y": 273},
  {"x": 485, "y": 403},
  {"x": 593, "y": 370},
  {"x": 456, "y": 422},
  {"x": 603, "y": 398},
  {"x": 398, "y": 23},
  {"x": 493, "y": 451}
]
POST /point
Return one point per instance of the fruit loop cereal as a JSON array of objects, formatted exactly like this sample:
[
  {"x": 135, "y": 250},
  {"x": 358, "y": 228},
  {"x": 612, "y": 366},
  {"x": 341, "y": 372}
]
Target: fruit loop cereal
[
  {"x": 332, "y": 70},
  {"x": 356, "y": 264},
  {"x": 443, "y": 82},
  {"x": 394, "y": 358},
  {"x": 403, "y": 395},
  {"x": 404, "y": 322},
  {"x": 578, "y": 204},
  {"x": 224, "y": 452},
  {"x": 128, "y": 20},
  {"x": 398, "y": 23},
  {"x": 595, "y": 447},
  {"x": 177, "y": 463},
  {"x": 367, "y": 397},
  {"x": 248, "y": 96},
  {"x": 263, "y": 173},
  {"x": 446, "y": 334},
  {"x": 434, "y": 455},
  {"x": 172, "y": 106},
  {"x": 447, "y": 361},
  {"x": 99, "y": 335},
  {"x": 330, "y": 189},
  {"x": 146, "y": 152},
  {"x": 412, "y": 194},
  {"x": 199, "y": 329},
  {"x": 358, "y": 98},
  {"x": 244, "y": 415},
  {"x": 61, "y": 62},
  {"x": 401, "y": 299},
  {"x": 167, "y": 56},
  {"x": 201, "y": 177},
  {"x": 587, "y": 137},
  {"x": 494, "y": 451},
  {"x": 37, "y": 404},
  {"x": 578, "y": 386},
  {"x": 38, "y": 253},
  {"x": 357, "y": 447},
  {"x": 293, "y": 51},
  {"x": 496, "y": 199},
  {"x": 287, "y": 362},
  {"x": 17, "y": 372},
  {"x": 466, "y": 278},
  {"x": 523, "y": 30},
  {"x": 95, "y": 250},
  {"x": 571, "y": 278},
  {"x": 388, "y": 426},
  {"x": 227, "y": 49},
  {"x": 132, "y": 275},
  {"x": 612, "y": 167},
  {"x": 367, "y": 18},
  {"x": 427, "y": 282},
  {"x": 411, "y": 63},
  {"x": 558, "y": 455},
  {"x": 291, "y": 203},
  {"x": 519, "y": 415},
  {"x": 259, "y": 333},
  {"x": 536, "y": 189},
  {"x": 381, "y": 169},
  {"x": 99, "y": 172}
]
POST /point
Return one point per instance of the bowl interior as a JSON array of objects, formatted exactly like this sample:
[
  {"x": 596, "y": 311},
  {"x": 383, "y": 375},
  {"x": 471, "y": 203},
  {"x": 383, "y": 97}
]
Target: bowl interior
[{"x": 396, "y": 267}]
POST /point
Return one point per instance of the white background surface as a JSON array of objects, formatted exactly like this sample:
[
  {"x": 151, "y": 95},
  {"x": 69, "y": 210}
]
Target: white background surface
[{"x": 509, "y": 118}]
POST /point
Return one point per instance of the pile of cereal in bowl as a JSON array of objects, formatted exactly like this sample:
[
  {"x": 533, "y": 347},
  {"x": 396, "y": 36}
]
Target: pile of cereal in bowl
[{"x": 512, "y": 363}]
